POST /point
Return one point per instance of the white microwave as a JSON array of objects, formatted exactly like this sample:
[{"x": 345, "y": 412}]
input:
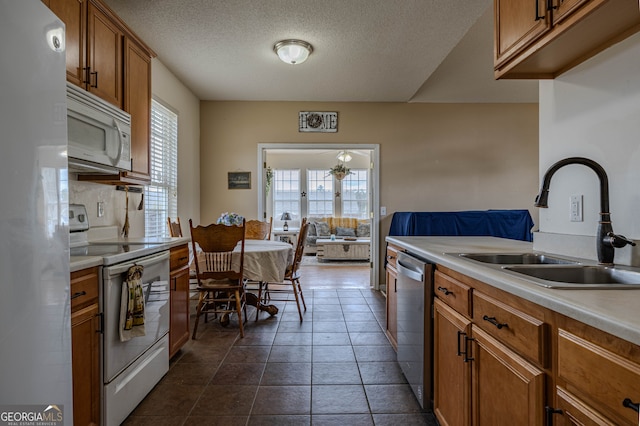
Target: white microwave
[{"x": 99, "y": 134}]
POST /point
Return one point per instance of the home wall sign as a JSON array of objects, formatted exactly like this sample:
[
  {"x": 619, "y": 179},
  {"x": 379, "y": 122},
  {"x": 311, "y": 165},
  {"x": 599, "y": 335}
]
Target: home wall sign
[
  {"x": 239, "y": 180},
  {"x": 318, "y": 121}
]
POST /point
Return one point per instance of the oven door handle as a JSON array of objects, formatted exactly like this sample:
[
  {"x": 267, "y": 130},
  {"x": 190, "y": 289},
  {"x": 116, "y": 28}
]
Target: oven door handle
[{"x": 143, "y": 261}]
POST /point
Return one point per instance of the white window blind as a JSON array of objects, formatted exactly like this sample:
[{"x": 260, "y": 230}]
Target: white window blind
[{"x": 161, "y": 195}]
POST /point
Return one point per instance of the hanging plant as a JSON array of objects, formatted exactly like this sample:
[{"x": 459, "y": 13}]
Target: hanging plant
[
  {"x": 269, "y": 175},
  {"x": 340, "y": 171}
]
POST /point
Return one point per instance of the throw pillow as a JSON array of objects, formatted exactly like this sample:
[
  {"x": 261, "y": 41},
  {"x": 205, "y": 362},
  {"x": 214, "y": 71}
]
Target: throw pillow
[
  {"x": 322, "y": 229},
  {"x": 312, "y": 230},
  {"x": 345, "y": 232},
  {"x": 363, "y": 230}
]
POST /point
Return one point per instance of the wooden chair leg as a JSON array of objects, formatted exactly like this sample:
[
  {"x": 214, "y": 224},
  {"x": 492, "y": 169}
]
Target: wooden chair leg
[
  {"x": 239, "y": 311},
  {"x": 260, "y": 283},
  {"x": 297, "y": 282},
  {"x": 295, "y": 293},
  {"x": 198, "y": 313}
]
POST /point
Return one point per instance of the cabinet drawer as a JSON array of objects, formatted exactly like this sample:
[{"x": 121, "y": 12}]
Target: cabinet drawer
[
  {"x": 453, "y": 292},
  {"x": 179, "y": 256},
  {"x": 522, "y": 332},
  {"x": 392, "y": 255},
  {"x": 599, "y": 377},
  {"x": 84, "y": 288}
]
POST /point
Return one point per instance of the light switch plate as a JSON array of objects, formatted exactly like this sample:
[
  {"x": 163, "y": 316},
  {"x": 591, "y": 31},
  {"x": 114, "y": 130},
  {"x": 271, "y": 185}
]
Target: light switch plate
[
  {"x": 575, "y": 208},
  {"x": 100, "y": 208}
]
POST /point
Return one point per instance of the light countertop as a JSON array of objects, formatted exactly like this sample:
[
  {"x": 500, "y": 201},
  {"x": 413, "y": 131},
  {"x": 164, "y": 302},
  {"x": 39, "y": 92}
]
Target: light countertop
[
  {"x": 613, "y": 311},
  {"x": 77, "y": 263}
]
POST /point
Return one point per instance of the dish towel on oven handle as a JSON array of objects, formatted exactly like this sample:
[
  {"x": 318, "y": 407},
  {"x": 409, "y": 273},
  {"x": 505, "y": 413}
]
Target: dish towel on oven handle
[{"x": 132, "y": 305}]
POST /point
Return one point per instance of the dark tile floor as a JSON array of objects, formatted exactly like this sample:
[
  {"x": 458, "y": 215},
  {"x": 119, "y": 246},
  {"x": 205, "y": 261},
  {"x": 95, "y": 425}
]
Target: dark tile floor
[{"x": 335, "y": 368}]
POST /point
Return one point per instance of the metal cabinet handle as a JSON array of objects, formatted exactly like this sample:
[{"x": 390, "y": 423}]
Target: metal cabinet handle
[
  {"x": 538, "y": 17},
  {"x": 445, "y": 290},
  {"x": 101, "y": 330},
  {"x": 627, "y": 402},
  {"x": 78, "y": 294},
  {"x": 460, "y": 333},
  {"x": 549, "y": 412},
  {"x": 94, "y": 73},
  {"x": 390, "y": 257},
  {"x": 495, "y": 322},
  {"x": 467, "y": 349}
]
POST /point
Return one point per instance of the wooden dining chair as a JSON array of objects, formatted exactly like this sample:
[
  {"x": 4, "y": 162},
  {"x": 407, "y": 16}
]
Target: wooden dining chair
[
  {"x": 175, "y": 230},
  {"x": 291, "y": 285},
  {"x": 221, "y": 288},
  {"x": 259, "y": 230}
]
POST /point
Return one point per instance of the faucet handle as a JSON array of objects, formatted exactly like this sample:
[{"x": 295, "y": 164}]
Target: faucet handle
[{"x": 617, "y": 240}]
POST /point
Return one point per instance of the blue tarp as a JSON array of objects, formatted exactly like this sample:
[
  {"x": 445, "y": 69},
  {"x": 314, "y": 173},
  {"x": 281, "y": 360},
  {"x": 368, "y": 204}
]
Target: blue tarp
[{"x": 511, "y": 224}]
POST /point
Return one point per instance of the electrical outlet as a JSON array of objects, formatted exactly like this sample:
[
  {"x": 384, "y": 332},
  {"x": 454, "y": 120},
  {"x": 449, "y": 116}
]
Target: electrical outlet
[
  {"x": 100, "y": 208},
  {"x": 575, "y": 208}
]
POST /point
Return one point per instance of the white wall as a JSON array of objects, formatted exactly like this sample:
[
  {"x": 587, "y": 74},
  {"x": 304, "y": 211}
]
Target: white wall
[{"x": 592, "y": 111}]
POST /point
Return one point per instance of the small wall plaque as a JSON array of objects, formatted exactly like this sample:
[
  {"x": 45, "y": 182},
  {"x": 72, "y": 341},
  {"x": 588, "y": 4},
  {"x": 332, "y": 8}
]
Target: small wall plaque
[
  {"x": 318, "y": 121},
  {"x": 239, "y": 180}
]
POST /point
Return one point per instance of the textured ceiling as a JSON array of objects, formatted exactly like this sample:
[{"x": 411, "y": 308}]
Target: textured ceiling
[{"x": 364, "y": 50}]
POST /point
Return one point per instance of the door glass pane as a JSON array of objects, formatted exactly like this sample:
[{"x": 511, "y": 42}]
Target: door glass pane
[
  {"x": 320, "y": 193},
  {"x": 355, "y": 194}
]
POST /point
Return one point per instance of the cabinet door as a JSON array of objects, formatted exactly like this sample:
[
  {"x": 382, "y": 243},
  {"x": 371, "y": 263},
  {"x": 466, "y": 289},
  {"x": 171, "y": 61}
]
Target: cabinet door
[
  {"x": 179, "y": 317},
  {"x": 104, "y": 56},
  {"x": 574, "y": 412},
  {"x": 85, "y": 353},
  {"x": 452, "y": 375},
  {"x": 392, "y": 305},
  {"x": 518, "y": 23},
  {"x": 73, "y": 13},
  {"x": 137, "y": 102},
  {"x": 564, "y": 8},
  {"x": 507, "y": 389}
]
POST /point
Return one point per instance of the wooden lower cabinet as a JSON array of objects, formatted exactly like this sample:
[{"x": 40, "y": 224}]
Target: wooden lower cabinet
[
  {"x": 179, "y": 299},
  {"x": 451, "y": 374},
  {"x": 506, "y": 389},
  {"x": 508, "y": 361},
  {"x": 85, "y": 346},
  {"x": 392, "y": 296}
]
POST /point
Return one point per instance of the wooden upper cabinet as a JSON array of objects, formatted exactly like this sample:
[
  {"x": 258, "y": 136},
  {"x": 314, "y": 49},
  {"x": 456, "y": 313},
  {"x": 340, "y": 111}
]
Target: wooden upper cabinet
[
  {"x": 73, "y": 14},
  {"x": 137, "y": 101},
  {"x": 538, "y": 39},
  {"x": 518, "y": 23},
  {"x": 104, "y": 56}
]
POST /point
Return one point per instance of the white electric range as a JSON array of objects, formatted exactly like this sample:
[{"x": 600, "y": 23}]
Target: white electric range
[{"x": 130, "y": 368}]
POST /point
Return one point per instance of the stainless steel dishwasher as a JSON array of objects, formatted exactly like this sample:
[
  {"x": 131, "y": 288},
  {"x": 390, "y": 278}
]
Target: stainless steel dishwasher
[{"x": 415, "y": 329}]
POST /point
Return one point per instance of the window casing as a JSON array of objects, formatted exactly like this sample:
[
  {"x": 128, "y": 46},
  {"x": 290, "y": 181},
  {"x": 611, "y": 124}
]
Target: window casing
[{"x": 161, "y": 195}]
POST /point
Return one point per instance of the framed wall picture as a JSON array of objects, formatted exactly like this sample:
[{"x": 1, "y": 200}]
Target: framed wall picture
[{"x": 239, "y": 180}]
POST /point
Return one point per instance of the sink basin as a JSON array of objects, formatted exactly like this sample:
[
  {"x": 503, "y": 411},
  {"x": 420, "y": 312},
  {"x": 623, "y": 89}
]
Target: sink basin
[
  {"x": 579, "y": 276},
  {"x": 515, "y": 258}
]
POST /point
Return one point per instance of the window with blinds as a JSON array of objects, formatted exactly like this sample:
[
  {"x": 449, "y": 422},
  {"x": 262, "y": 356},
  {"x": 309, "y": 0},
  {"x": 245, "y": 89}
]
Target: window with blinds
[{"x": 161, "y": 195}]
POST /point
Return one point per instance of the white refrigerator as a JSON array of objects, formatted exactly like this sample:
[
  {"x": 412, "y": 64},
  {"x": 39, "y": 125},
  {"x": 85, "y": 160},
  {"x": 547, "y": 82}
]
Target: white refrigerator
[{"x": 35, "y": 330}]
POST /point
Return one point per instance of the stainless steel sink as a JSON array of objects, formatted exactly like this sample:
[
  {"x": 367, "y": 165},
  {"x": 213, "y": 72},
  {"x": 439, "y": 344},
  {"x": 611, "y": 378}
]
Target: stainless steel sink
[
  {"x": 578, "y": 276},
  {"x": 515, "y": 258}
]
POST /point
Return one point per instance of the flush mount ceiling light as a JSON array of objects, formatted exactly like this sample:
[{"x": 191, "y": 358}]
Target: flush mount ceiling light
[
  {"x": 344, "y": 156},
  {"x": 293, "y": 51}
]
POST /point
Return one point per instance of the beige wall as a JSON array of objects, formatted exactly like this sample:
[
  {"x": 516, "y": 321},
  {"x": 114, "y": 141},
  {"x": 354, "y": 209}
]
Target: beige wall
[{"x": 433, "y": 157}]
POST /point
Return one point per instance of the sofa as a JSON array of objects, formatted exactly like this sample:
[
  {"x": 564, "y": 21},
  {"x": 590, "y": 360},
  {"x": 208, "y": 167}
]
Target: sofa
[{"x": 323, "y": 227}]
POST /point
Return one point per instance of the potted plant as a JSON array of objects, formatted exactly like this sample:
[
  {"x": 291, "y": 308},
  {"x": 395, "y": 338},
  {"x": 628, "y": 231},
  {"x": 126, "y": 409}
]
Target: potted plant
[{"x": 340, "y": 171}]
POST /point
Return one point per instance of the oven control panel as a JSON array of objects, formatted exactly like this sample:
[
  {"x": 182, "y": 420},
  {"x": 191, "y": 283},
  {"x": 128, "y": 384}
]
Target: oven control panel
[{"x": 78, "y": 219}]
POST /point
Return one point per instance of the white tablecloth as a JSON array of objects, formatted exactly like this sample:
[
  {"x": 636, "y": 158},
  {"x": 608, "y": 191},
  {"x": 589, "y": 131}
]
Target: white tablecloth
[{"x": 264, "y": 260}]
